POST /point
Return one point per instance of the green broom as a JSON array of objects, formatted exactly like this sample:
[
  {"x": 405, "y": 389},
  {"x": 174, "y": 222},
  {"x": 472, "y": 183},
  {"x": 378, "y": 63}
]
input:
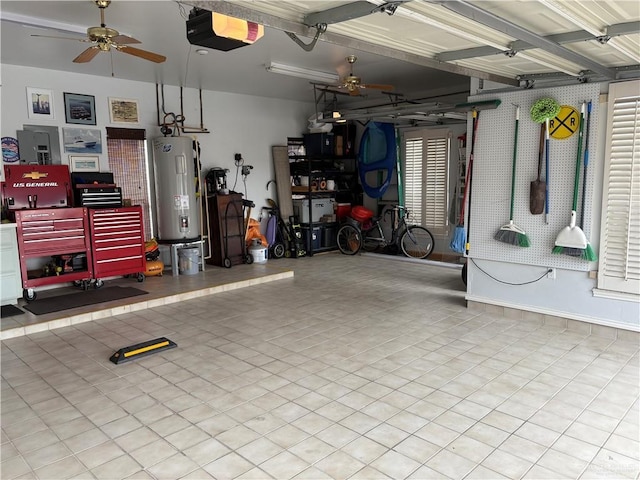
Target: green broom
[
  {"x": 571, "y": 237},
  {"x": 511, "y": 233}
]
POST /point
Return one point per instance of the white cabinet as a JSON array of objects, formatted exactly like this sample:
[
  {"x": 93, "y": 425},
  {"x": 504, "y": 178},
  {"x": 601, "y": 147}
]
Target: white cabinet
[{"x": 10, "y": 278}]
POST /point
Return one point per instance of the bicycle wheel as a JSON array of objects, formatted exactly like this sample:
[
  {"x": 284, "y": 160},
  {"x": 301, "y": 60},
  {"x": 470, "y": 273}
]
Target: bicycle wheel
[
  {"x": 349, "y": 240},
  {"x": 416, "y": 242},
  {"x": 372, "y": 239}
]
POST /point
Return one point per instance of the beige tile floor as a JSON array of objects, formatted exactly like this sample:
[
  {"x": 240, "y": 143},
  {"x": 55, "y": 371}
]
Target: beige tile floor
[{"x": 355, "y": 368}]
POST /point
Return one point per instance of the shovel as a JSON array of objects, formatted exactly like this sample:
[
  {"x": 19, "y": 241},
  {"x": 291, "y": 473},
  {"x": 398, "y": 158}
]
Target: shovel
[{"x": 538, "y": 187}]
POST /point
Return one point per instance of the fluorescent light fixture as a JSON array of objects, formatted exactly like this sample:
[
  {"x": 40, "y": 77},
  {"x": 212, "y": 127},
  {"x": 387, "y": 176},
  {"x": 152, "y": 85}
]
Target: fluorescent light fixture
[{"x": 300, "y": 72}]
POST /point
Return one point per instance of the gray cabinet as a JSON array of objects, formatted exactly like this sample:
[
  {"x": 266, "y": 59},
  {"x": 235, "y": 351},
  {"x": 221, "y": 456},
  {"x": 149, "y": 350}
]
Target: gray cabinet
[{"x": 10, "y": 278}]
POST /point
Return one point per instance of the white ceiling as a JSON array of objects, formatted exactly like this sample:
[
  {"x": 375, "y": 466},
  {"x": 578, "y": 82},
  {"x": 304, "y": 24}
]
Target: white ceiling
[{"x": 417, "y": 32}]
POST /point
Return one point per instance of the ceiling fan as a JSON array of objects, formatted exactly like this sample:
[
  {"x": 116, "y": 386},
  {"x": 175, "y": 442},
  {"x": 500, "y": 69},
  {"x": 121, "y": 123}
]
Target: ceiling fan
[
  {"x": 353, "y": 83},
  {"x": 105, "y": 38}
]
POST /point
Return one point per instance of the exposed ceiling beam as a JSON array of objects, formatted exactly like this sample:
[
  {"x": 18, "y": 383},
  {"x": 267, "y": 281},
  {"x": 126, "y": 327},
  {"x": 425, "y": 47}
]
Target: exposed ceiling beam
[
  {"x": 349, "y": 11},
  {"x": 420, "y": 109},
  {"x": 490, "y": 20},
  {"x": 272, "y": 21},
  {"x": 519, "y": 45}
]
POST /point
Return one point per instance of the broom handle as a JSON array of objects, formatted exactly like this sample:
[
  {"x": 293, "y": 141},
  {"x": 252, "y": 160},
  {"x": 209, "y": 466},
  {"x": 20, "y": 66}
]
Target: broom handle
[
  {"x": 586, "y": 164},
  {"x": 546, "y": 172},
  {"x": 476, "y": 119},
  {"x": 576, "y": 182},
  {"x": 467, "y": 177},
  {"x": 513, "y": 169},
  {"x": 541, "y": 149}
]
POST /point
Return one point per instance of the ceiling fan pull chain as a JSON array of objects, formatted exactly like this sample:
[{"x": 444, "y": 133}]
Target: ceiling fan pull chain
[{"x": 320, "y": 29}]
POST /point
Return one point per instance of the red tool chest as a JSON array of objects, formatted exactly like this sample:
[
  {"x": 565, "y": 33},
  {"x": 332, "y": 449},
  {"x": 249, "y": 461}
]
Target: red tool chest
[
  {"x": 117, "y": 245},
  {"x": 36, "y": 186},
  {"x": 52, "y": 232}
]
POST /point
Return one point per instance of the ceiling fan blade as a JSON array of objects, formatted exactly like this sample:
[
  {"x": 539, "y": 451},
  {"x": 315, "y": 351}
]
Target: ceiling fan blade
[
  {"x": 124, "y": 40},
  {"x": 62, "y": 38},
  {"x": 377, "y": 86},
  {"x": 136, "y": 52},
  {"x": 87, "y": 55}
]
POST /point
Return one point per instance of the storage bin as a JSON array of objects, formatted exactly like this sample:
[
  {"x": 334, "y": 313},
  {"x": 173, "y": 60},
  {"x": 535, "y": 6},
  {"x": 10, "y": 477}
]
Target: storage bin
[
  {"x": 312, "y": 240},
  {"x": 319, "y": 144},
  {"x": 188, "y": 260},
  {"x": 319, "y": 207},
  {"x": 329, "y": 233}
]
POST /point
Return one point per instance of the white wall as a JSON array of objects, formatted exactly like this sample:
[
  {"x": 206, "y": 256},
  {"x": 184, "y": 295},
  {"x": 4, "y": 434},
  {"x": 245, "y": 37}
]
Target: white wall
[
  {"x": 570, "y": 294},
  {"x": 238, "y": 123}
]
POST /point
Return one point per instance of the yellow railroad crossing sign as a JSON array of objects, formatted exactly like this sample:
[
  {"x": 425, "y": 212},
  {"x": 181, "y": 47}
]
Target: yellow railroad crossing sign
[{"x": 565, "y": 124}]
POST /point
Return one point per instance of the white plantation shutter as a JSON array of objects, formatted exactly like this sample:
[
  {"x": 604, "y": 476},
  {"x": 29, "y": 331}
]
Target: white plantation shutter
[
  {"x": 620, "y": 237},
  {"x": 413, "y": 178},
  {"x": 426, "y": 166},
  {"x": 435, "y": 187}
]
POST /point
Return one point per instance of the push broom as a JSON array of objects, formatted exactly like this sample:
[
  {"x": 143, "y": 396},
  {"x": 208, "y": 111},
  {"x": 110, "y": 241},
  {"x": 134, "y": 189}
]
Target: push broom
[
  {"x": 511, "y": 233},
  {"x": 571, "y": 238}
]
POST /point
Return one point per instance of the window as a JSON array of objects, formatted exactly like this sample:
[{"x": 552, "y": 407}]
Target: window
[
  {"x": 619, "y": 269},
  {"x": 128, "y": 162},
  {"x": 426, "y": 166}
]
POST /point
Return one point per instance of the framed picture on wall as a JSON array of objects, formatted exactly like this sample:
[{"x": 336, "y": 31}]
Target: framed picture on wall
[
  {"x": 40, "y": 103},
  {"x": 123, "y": 110},
  {"x": 80, "y": 109},
  {"x": 82, "y": 140},
  {"x": 84, "y": 163}
]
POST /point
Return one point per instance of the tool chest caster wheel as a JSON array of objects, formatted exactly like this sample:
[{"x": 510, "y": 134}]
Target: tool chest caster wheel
[
  {"x": 140, "y": 277},
  {"x": 29, "y": 294},
  {"x": 99, "y": 284},
  {"x": 227, "y": 262},
  {"x": 248, "y": 259}
]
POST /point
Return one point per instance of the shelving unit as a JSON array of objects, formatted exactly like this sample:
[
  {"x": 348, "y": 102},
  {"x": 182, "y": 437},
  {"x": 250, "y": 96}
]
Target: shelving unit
[
  {"x": 325, "y": 160},
  {"x": 461, "y": 173}
]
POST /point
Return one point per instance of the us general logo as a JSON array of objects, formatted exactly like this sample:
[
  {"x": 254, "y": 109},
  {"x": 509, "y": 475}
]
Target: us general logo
[{"x": 565, "y": 124}]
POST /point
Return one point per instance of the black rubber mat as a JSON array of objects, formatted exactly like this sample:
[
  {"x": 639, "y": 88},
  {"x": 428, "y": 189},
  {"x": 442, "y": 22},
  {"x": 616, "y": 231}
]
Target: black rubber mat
[
  {"x": 81, "y": 299},
  {"x": 10, "y": 311}
]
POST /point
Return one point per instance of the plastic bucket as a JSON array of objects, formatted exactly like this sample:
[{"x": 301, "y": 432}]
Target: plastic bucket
[
  {"x": 188, "y": 260},
  {"x": 259, "y": 253},
  {"x": 342, "y": 211}
]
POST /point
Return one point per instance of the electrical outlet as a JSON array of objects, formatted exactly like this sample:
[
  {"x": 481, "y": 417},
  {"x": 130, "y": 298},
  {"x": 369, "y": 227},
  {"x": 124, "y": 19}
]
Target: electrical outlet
[{"x": 551, "y": 273}]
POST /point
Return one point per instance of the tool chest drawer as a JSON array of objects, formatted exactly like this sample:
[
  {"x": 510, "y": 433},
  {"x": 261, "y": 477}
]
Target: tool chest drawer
[
  {"x": 51, "y": 231},
  {"x": 117, "y": 241}
]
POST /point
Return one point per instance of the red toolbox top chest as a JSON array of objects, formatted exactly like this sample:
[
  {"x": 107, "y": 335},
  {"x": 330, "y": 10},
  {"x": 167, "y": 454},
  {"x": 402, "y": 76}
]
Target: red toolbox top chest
[{"x": 36, "y": 186}]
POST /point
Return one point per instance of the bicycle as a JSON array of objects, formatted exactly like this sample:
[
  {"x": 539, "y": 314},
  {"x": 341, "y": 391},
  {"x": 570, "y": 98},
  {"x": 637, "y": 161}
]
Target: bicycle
[{"x": 414, "y": 241}]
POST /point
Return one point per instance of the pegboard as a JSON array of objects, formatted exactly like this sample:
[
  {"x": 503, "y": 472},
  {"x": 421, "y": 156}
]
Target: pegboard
[{"x": 492, "y": 166}]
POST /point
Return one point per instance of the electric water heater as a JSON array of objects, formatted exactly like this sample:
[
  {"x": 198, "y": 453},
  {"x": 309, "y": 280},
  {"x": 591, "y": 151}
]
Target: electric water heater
[{"x": 175, "y": 184}]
